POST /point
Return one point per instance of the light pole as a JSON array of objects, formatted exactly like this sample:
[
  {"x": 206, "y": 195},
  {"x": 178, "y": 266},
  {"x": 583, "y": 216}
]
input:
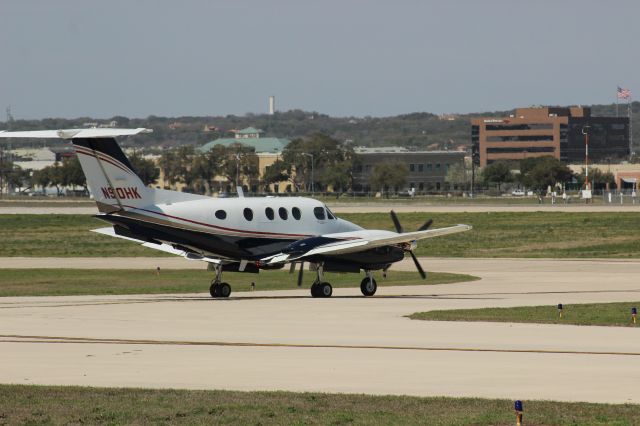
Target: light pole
[
  {"x": 313, "y": 185},
  {"x": 237, "y": 169},
  {"x": 585, "y": 132}
]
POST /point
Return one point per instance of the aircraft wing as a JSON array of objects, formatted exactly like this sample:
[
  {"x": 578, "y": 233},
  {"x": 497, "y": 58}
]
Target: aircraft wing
[
  {"x": 162, "y": 247},
  {"x": 75, "y": 133},
  {"x": 350, "y": 242}
]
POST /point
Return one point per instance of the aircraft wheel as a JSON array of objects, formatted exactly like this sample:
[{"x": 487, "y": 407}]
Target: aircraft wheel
[
  {"x": 224, "y": 290},
  {"x": 325, "y": 290},
  {"x": 315, "y": 292},
  {"x": 368, "y": 286},
  {"x": 214, "y": 290}
]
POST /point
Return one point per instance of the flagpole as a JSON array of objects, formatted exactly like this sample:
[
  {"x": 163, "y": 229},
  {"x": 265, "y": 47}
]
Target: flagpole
[{"x": 630, "y": 132}]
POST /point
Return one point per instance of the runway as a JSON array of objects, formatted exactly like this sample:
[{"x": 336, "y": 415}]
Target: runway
[{"x": 286, "y": 340}]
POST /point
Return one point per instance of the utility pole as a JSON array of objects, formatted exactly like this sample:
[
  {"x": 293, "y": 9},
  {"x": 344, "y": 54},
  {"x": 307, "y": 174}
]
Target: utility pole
[{"x": 585, "y": 132}]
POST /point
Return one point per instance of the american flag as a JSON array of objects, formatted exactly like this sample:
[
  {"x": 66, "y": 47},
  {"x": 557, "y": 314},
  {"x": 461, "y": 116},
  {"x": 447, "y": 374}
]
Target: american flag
[{"x": 623, "y": 93}]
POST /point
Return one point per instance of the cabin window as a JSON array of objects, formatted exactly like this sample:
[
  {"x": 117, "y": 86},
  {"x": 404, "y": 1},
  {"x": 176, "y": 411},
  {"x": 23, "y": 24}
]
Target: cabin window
[
  {"x": 329, "y": 214},
  {"x": 221, "y": 214},
  {"x": 248, "y": 214},
  {"x": 319, "y": 213},
  {"x": 269, "y": 213},
  {"x": 295, "y": 212},
  {"x": 282, "y": 212}
]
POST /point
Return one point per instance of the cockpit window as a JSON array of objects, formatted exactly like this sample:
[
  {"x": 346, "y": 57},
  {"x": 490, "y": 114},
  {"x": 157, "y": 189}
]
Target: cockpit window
[
  {"x": 221, "y": 214},
  {"x": 319, "y": 213},
  {"x": 295, "y": 212},
  {"x": 269, "y": 213},
  {"x": 282, "y": 212},
  {"x": 329, "y": 214}
]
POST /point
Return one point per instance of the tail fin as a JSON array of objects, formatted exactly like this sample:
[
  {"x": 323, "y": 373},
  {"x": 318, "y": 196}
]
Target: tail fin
[{"x": 110, "y": 176}]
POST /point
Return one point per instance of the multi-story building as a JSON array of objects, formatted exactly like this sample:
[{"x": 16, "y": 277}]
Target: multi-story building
[
  {"x": 427, "y": 169},
  {"x": 535, "y": 132}
]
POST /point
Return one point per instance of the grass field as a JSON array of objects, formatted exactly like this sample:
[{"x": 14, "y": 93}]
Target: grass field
[
  {"x": 65, "y": 282},
  {"x": 20, "y": 404},
  {"x": 496, "y": 234},
  {"x": 606, "y": 314}
]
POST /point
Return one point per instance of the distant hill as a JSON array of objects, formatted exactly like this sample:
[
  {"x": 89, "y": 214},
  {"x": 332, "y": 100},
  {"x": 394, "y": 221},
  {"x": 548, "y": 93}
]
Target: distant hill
[{"x": 421, "y": 130}]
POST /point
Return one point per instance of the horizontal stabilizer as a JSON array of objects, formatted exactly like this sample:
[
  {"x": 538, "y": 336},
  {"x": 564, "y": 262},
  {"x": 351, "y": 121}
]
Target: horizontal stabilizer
[{"x": 75, "y": 133}]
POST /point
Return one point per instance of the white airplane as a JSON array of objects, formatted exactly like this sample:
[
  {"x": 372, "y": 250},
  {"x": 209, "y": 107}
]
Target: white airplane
[{"x": 232, "y": 234}]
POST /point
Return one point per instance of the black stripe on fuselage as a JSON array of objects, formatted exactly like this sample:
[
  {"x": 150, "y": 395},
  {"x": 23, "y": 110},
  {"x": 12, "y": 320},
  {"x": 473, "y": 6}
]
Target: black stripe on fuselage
[{"x": 213, "y": 245}]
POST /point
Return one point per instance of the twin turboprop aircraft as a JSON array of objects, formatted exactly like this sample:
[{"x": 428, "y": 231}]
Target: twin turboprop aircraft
[{"x": 232, "y": 234}]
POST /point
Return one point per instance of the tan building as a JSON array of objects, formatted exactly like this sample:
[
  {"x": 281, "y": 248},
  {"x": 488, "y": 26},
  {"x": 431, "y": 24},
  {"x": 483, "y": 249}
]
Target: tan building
[{"x": 536, "y": 132}]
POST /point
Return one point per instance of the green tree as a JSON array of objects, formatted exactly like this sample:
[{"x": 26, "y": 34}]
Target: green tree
[
  {"x": 312, "y": 156},
  {"x": 275, "y": 173},
  {"x": 71, "y": 173},
  {"x": 145, "y": 168},
  {"x": 389, "y": 176},
  {"x": 176, "y": 163},
  {"x": 339, "y": 176},
  {"x": 240, "y": 164},
  {"x": 541, "y": 172},
  {"x": 41, "y": 178},
  {"x": 497, "y": 173},
  {"x": 598, "y": 178},
  {"x": 458, "y": 174}
]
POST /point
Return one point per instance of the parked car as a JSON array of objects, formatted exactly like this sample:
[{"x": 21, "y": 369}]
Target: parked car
[{"x": 518, "y": 193}]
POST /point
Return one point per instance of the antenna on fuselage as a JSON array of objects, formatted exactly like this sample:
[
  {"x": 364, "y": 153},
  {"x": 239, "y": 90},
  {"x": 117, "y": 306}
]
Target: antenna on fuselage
[{"x": 240, "y": 191}]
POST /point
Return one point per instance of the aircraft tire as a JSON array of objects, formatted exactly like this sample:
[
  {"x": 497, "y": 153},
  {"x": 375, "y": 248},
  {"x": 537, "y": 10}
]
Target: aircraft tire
[
  {"x": 315, "y": 292},
  {"x": 325, "y": 290},
  {"x": 214, "y": 290},
  {"x": 224, "y": 290},
  {"x": 368, "y": 286}
]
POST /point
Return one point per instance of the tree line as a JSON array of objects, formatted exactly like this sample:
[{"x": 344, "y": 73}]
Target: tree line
[{"x": 541, "y": 173}]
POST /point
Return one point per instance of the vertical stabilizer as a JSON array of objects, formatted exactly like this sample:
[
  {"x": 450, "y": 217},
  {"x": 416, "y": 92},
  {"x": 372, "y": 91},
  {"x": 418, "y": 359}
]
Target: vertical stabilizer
[{"x": 110, "y": 176}]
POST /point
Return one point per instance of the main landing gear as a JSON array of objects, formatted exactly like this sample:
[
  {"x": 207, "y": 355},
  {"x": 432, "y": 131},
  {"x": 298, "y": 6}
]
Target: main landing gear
[
  {"x": 320, "y": 288},
  {"x": 218, "y": 288}
]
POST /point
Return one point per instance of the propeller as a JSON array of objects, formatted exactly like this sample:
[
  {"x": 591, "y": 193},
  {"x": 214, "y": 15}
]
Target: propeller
[
  {"x": 292, "y": 269},
  {"x": 400, "y": 230}
]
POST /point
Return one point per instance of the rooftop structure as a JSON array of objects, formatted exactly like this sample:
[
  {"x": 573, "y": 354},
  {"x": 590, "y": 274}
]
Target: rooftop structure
[{"x": 250, "y": 137}]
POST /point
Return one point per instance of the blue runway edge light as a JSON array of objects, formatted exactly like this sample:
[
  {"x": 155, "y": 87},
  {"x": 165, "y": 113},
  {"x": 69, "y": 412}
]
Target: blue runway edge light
[{"x": 518, "y": 405}]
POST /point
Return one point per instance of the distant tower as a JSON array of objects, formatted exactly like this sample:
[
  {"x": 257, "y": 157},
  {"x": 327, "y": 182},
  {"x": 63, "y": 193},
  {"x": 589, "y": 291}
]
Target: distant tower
[{"x": 272, "y": 104}]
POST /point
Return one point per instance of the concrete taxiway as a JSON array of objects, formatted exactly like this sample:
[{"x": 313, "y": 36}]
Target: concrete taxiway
[{"x": 288, "y": 341}]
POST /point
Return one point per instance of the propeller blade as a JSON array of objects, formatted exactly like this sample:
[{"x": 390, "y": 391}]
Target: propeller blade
[
  {"x": 418, "y": 267},
  {"x": 396, "y": 222},
  {"x": 292, "y": 268},
  {"x": 426, "y": 225},
  {"x": 300, "y": 272}
]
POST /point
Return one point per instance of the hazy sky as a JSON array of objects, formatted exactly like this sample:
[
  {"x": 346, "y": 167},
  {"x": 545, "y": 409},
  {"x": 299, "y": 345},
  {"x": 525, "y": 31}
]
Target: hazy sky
[{"x": 70, "y": 58}]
